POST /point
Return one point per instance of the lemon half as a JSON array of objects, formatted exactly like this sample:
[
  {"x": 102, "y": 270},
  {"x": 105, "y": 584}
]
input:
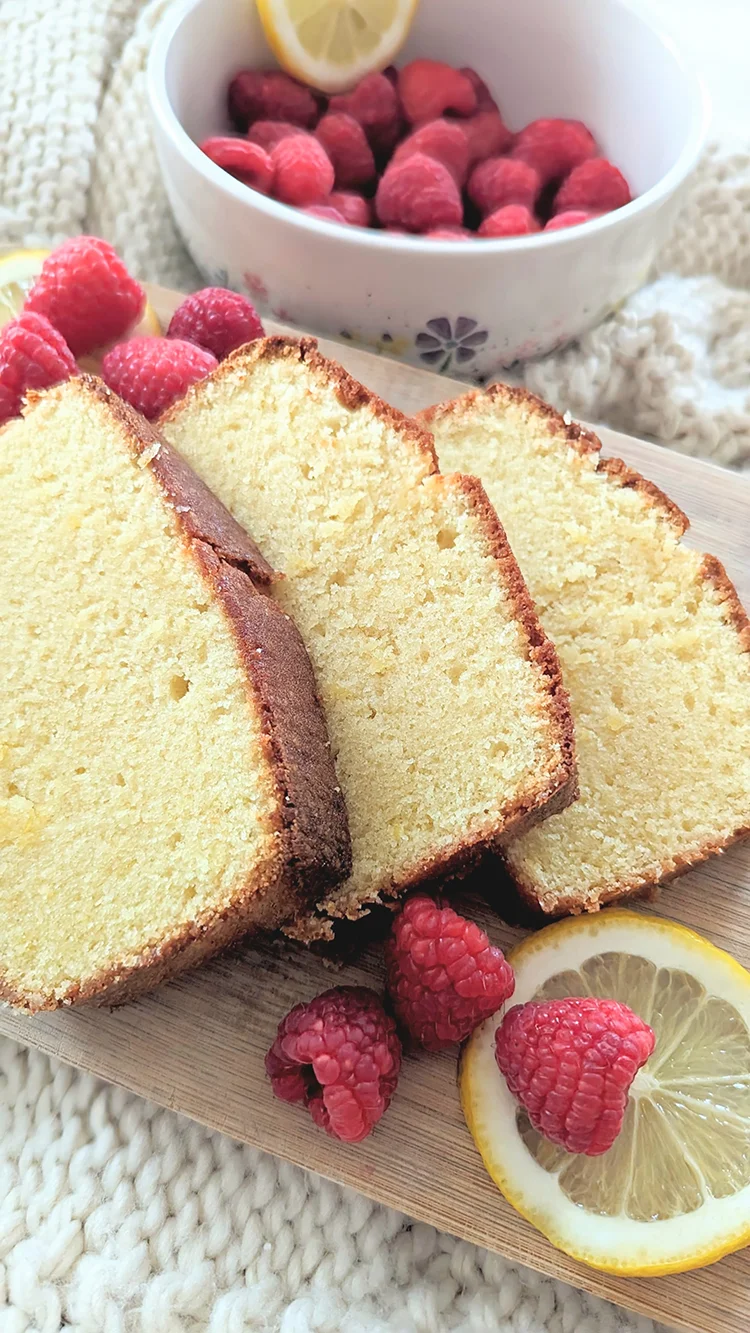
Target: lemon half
[
  {"x": 332, "y": 44},
  {"x": 19, "y": 269},
  {"x": 673, "y": 1192}
]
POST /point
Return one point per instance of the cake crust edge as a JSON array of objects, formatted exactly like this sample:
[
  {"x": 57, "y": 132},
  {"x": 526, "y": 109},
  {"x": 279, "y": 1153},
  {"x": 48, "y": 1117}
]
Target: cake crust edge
[
  {"x": 585, "y": 441},
  {"x": 311, "y": 823},
  {"x": 560, "y": 785}
]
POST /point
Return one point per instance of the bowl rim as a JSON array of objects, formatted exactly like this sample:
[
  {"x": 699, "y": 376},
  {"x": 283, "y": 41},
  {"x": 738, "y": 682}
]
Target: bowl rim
[{"x": 364, "y": 237}]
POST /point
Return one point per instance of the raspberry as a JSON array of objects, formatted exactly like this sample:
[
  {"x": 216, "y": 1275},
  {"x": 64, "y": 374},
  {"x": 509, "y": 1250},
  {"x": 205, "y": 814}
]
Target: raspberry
[
  {"x": 596, "y": 186},
  {"x": 374, "y": 104},
  {"x": 485, "y": 100},
  {"x": 217, "y": 320},
  {"x": 445, "y": 141},
  {"x": 346, "y": 144},
  {"x": 246, "y": 161},
  {"x": 267, "y": 133},
  {"x": 85, "y": 290},
  {"x": 33, "y": 355},
  {"x": 570, "y": 1063},
  {"x": 270, "y": 95},
  {"x": 340, "y": 1055},
  {"x": 486, "y": 136},
  {"x": 554, "y": 147},
  {"x": 448, "y": 234},
  {"x": 150, "y": 373},
  {"x": 444, "y": 976},
  {"x": 418, "y": 194},
  {"x": 500, "y": 181},
  {"x": 428, "y": 88},
  {"x": 572, "y": 218},
  {"x": 355, "y": 210},
  {"x": 510, "y": 220},
  {"x": 303, "y": 171},
  {"x": 326, "y": 212}
]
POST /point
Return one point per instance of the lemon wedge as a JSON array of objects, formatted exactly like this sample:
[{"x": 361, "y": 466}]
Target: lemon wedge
[
  {"x": 18, "y": 270},
  {"x": 332, "y": 44},
  {"x": 673, "y": 1192}
]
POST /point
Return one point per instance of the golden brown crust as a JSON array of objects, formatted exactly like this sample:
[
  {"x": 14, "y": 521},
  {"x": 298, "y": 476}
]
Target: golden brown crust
[
  {"x": 201, "y": 515},
  {"x": 585, "y": 442},
  {"x": 561, "y": 784},
  {"x": 644, "y": 886},
  {"x": 351, "y": 394},
  {"x": 580, "y": 438},
  {"x": 314, "y": 850},
  {"x": 714, "y": 572}
]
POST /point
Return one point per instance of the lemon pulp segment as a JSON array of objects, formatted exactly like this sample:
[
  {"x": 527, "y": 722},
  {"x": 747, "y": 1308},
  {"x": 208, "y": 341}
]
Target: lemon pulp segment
[{"x": 673, "y": 1192}]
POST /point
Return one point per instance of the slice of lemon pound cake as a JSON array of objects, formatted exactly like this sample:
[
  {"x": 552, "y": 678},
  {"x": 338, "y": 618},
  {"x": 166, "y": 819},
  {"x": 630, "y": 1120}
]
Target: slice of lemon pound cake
[
  {"x": 654, "y": 644},
  {"x": 165, "y": 774},
  {"x": 448, "y": 720}
]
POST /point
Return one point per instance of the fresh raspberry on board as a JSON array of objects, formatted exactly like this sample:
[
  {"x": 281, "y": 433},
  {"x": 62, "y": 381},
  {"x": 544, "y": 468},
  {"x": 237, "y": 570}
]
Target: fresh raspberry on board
[
  {"x": 345, "y": 142},
  {"x": 428, "y": 88},
  {"x": 354, "y": 208},
  {"x": 267, "y": 133},
  {"x": 33, "y": 355},
  {"x": 326, "y": 212},
  {"x": 418, "y": 194},
  {"x": 445, "y": 141},
  {"x": 486, "y": 136},
  {"x": 375, "y": 105},
  {"x": 596, "y": 186},
  {"x": 303, "y": 171},
  {"x": 85, "y": 290},
  {"x": 270, "y": 95},
  {"x": 443, "y": 975},
  {"x": 217, "y": 320},
  {"x": 340, "y": 1056},
  {"x": 151, "y": 373},
  {"x": 246, "y": 161},
  {"x": 500, "y": 181},
  {"x": 572, "y": 218},
  {"x": 570, "y": 1063},
  {"x": 485, "y": 100},
  {"x": 510, "y": 220},
  {"x": 553, "y": 147}
]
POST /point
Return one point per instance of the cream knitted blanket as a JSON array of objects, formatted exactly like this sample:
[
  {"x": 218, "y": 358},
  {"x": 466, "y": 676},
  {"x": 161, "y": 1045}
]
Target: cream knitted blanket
[{"x": 116, "y": 1217}]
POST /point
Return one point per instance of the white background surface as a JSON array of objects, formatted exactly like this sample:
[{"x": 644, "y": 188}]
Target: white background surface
[{"x": 716, "y": 34}]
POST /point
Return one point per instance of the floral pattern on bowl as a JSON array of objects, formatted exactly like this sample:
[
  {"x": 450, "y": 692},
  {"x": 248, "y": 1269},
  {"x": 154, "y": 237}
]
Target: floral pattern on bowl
[{"x": 442, "y": 344}]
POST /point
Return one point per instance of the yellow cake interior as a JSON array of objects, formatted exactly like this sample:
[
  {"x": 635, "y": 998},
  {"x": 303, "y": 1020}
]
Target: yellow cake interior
[
  {"x": 438, "y": 721},
  {"x": 659, "y": 684},
  {"x": 134, "y": 797}
]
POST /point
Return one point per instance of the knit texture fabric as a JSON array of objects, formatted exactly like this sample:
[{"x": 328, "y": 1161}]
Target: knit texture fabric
[{"x": 117, "y": 1217}]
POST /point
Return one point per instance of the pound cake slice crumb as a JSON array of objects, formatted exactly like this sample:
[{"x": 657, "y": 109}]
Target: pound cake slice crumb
[
  {"x": 654, "y": 644},
  {"x": 449, "y": 723},
  {"x": 166, "y": 781}
]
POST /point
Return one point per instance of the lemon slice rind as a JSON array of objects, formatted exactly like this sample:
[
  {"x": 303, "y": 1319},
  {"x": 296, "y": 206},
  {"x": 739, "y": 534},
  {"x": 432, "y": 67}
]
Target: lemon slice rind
[
  {"x": 311, "y": 39},
  {"x": 614, "y": 1244}
]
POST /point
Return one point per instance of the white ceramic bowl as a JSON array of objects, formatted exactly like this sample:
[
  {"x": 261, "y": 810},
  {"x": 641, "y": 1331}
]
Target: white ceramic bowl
[{"x": 465, "y": 307}]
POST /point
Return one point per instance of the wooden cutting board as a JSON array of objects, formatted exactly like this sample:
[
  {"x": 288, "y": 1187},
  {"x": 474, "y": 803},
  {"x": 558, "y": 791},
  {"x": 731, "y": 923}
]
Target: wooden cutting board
[{"x": 197, "y": 1045}]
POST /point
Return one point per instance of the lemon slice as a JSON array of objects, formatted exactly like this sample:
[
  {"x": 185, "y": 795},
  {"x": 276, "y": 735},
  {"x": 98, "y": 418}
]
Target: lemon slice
[
  {"x": 673, "y": 1192},
  {"x": 332, "y": 44},
  {"x": 18, "y": 270}
]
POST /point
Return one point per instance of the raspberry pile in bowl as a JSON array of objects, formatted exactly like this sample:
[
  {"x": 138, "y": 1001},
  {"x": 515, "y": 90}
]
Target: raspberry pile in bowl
[{"x": 423, "y": 150}]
